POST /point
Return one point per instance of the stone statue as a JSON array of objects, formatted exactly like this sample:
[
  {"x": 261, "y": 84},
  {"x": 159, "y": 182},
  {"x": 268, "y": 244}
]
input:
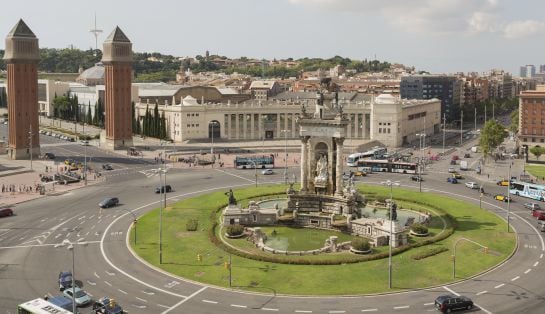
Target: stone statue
[
  {"x": 320, "y": 180},
  {"x": 232, "y": 199},
  {"x": 394, "y": 211}
]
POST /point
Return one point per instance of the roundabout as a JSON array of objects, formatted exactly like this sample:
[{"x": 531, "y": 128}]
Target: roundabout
[{"x": 204, "y": 255}]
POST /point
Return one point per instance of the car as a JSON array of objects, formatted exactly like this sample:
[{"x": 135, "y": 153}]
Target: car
[
  {"x": 539, "y": 214},
  {"x": 541, "y": 226},
  {"x": 503, "y": 182},
  {"x": 80, "y": 296},
  {"x": 49, "y": 155},
  {"x": 452, "y": 180},
  {"x": 472, "y": 185},
  {"x": 467, "y": 155},
  {"x": 451, "y": 170},
  {"x": 503, "y": 198},
  {"x": 65, "y": 280},
  {"x": 106, "y": 305},
  {"x": 360, "y": 173},
  {"x": 449, "y": 303},
  {"x": 532, "y": 206},
  {"x": 85, "y": 143},
  {"x": 267, "y": 172},
  {"x": 42, "y": 132},
  {"x": 107, "y": 167},
  {"x": 417, "y": 178},
  {"x": 6, "y": 212},
  {"x": 162, "y": 189},
  {"x": 457, "y": 175},
  {"x": 69, "y": 161},
  {"x": 109, "y": 202}
]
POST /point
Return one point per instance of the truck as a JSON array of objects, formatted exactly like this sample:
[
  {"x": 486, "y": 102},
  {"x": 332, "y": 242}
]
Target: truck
[
  {"x": 463, "y": 165},
  {"x": 475, "y": 149}
]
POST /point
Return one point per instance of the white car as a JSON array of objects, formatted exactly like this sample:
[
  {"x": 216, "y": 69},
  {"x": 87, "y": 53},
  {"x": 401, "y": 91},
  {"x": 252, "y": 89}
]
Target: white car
[
  {"x": 472, "y": 185},
  {"x": 267, "y": 172},
  {"x": 82, "y": 298},
  {"x": 451, "y": 170},
  {"x": 85, "y": 143}
]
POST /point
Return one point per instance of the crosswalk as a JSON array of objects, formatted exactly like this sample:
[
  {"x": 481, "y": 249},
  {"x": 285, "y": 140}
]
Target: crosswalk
[{"x": 153, "y": 172}]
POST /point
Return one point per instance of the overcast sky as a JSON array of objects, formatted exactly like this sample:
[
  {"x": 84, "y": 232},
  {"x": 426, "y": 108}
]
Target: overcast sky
[{"x": 440, "y": 36}]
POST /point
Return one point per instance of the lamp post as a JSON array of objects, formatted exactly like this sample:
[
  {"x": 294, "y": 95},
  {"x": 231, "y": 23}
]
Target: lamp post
[
  {"x": 255, "y": 168},
  {"x": 508, "y": 193},
  {"x": 421, "y": 163},
  {"x": 444, "y": 130},
  {"x": 285, "y": 155},
  {"x": 72, "y": 247},
  {"x": 162, "y": 199},
  {"x": 30, "y": 135},
  {"x": 213, "y": 123},
  {"x": 391, "y": 185},
  {"x": 263, "y": 118}
]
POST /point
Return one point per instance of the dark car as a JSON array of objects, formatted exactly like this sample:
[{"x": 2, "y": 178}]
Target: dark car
[
  {"x": 6, "y": 212},
  {"x": 65, "y": 280},
  {"x": 107, "y": 167},
  {"x": 417, "y": 178},
  {"x": 49, "y": 155},
  {"x": 452, "y": 180},
  {"x": 106, "y": 305},
  {"x": 162, "y": 189},
  {"x": 109, "y": 202},
  {"x": 449, "y": 303}
]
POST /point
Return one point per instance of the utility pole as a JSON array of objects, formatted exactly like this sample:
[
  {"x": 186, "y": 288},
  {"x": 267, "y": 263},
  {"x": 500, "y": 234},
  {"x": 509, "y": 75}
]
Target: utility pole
[
  {"x": 485, "y": 113},
  {"x": 461, "y": 127},
  {"x": 475, "y": 128},
  {"x": 444, "y": 126},
  {"x": 30, "y": 135}
]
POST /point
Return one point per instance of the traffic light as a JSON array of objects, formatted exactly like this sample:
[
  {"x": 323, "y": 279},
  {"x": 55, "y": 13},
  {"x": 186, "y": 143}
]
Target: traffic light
[
  {"x": 199, "y": 257},
  {"x": 485, "y": 250},
  {"x": 135, "y": 220},
  {"x": 226, "y": 265}
]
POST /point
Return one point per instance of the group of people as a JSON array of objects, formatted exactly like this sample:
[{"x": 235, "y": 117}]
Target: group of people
[{"x": 21, "y": 188}]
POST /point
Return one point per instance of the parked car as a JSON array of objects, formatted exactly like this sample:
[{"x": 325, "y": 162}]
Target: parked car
[
  {"x": 539, "y": 214},
  {"x": 541, "y": 226},
  {"x": 503, "y": 198},
  {"x": 6, "y": 212},
  {"x": 467, "y": 155},
  {"x": 267, "y": 172},
  {"x": 109, "y": 202},
  {"x": 65, "y": 280},
  {"x": 85, "y": 143},
  {"x": 472, "y": 185},
  {"x": 453, "y": 162},
  {"x": 417, "y": 178},
  {"x": 107, "y": 167},
  {"x": 532, "y": 206},
  {"x": 503, "y": 182},
  {"x": 49, "y": 155},
  {"x": 81, "y": 297},
  {"x": 457, "y": 175},
  {"x": 455, "y": 157},
  {"x": 105, "y": 305},
  {"x": 448, "y": 303},
  {"x": 162, "y": 189},
  {"x": 451, "y": 170},
  {"x": 360, "y": 173},
  {"x": 452, "y": 180}
]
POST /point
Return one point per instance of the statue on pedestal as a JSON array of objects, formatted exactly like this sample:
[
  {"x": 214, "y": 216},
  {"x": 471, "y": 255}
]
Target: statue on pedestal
[
  {"x": 321, "y": 171},
  {"x": 232, "y": 199}
]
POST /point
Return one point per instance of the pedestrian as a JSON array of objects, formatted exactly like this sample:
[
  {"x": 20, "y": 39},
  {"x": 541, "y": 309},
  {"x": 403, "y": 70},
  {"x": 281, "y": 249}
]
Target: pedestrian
[{"x": 488, "y": 175}]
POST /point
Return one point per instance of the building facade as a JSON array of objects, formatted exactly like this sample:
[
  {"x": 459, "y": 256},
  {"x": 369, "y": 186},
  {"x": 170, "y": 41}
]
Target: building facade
[{"x": 532, "y": 116}]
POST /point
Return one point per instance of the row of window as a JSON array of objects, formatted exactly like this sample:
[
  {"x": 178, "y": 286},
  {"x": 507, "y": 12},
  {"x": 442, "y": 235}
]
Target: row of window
[
  {"x": 417, "y": 115},
  {"x": 192, "y": 115},
  {"x": 384, "y": 130},
  {"x": 525, "y": 139},
  {"x": 384, "y": 123},
  {"x": 192, "y": 125}
]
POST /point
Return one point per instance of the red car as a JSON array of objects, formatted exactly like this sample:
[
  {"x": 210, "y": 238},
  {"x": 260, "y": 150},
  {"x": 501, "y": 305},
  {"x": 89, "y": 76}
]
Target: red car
[
  {"x": 5, "y": 212},
  {"x": 539, "y": 214}
]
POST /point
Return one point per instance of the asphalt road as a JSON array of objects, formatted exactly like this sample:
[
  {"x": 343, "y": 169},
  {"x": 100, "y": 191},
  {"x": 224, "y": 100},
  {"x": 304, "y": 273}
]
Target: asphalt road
[{"x": 31, "y": 258}]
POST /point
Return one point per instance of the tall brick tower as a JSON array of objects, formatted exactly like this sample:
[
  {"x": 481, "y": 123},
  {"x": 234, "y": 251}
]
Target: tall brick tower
[
  {"x": 117, "y": 59},
  {"x": 22, "y": 56}
]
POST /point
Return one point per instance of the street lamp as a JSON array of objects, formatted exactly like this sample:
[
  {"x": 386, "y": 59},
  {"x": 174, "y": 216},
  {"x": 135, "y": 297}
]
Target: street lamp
[
  {"x": 255, "y": 168},
  {"x": 162, "y": 199},
  {"x": 391, "y": 185},
  {"x": 71, "y": 247},
  {"x": 508, "y": 192},
  {"x": 285, "y": 155},
  {"x": 263, "y": 118},
  {"x": 420, "y": 135}
]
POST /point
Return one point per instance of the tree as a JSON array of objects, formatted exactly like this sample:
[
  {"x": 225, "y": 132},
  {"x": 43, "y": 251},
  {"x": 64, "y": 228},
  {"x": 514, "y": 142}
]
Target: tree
[
  {"x": 163, "y": 134},
  {"x": 537, "y": 151},
  {"x": 514, "y": 126},
  {"x": 492, "y": 135},
  {"x": 156, "y": 122}
]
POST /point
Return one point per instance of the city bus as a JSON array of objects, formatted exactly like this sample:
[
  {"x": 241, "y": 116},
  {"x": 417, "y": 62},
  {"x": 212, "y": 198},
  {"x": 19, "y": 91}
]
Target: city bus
[
  {"x": 40, "y": 306},
  {"x": 252, "y": 162},
  {"x": 369, "y": 165},
  {"x": 376, "y": 152},
  {"x": 529, "y": 190}
]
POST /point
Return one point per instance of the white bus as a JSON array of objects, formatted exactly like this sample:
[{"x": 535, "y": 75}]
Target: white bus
[
  {"x": 529, "y": 190},
  {"x": 387, "y": 166},
  {"x": 352, "y": 160},
  {"x": 40, "y": 306}
]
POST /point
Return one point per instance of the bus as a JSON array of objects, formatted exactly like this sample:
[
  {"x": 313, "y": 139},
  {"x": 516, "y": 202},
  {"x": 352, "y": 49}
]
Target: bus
[
  {"x": 40, "y": 306},
  {"x": 376, "y": 152},
  {"x": 529, "y": 190},
  {"x": 252, "y": 162},
  {"x": 387, "y": 166}
]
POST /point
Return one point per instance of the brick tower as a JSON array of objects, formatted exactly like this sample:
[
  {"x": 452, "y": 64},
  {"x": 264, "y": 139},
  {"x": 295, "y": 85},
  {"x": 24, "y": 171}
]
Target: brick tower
[
  {"x": 117, "y": 59},
  {"x": 22, "y": 56}
]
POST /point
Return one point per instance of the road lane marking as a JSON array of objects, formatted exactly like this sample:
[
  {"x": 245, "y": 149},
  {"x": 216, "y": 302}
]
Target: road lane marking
[
  {"x": 269, "y": 309},
  {"x": 370, "y": 310},
  {"x": 513, "y": 279},
  {"x": 430, "y": 303},
  {"x": 239, "y": 306},
  {"x": 109, "y": 284},
  {"x": 91, "y": 217},
  {"x": 541, "y": 256},
  {"x": 164, "y": 306},
  {"x": 96, "y": 275},
  {"x": 401, "y": 307},
  {"x": 457, "y": 294},
  {"x": 482, "y": 292},
  {"x": 58, "y": 235},
  {"x": 148, "y": 292},
  {"x": 185, "y": 299},
  {"x": 535, "y": 264},
  {"x": 499, "y": 286},
  {"x": 124, "y": 292},
  {"x": 302, "y": 311},
  {"x": 143, "y": 300},
  {"x": 209, "y": 301},
  {"x": 336, "y": 312},
  {"x": 91, "y": 283},
  {"x": 527, "y": 271},
  {"x": 109, "y": 273},
  {"x": 80, "y": 239},
  {"x": 55, "y": 245}
]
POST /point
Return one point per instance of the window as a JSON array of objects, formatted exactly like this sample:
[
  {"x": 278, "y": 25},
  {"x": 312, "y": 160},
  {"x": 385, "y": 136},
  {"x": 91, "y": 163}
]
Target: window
[{"x": 388, "y": 130}]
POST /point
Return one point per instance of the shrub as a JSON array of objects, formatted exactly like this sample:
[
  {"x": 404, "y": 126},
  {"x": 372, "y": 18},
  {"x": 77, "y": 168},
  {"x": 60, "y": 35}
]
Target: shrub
[
  {"x": 428, "y": 253},
  {"x": 419, "y": 229},
  {"x": 361, "y": 244},
  {"x": 234, "y": 230},
  {"x": 192, "y": 225},
  {"x": 85, "y": 137}
]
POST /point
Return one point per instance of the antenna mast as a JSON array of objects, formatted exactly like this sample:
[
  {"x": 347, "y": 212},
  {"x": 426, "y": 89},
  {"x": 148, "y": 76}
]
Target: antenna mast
[{"x": 96, "y": 32}]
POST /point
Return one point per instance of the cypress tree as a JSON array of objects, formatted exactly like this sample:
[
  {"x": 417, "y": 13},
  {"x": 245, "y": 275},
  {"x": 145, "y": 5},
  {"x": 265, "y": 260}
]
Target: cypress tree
[
  {"x": 89, "y": 115},
  {"x": 147, "y": 122},
  {"x": 95, "y": 117},
  {"x": 163, "y": 126},
  {"x": 156, "y": 121}
]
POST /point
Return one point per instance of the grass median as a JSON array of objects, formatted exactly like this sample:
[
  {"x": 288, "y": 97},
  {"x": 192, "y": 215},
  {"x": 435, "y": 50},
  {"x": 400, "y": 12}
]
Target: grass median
[{"x": 181, "y": 248}]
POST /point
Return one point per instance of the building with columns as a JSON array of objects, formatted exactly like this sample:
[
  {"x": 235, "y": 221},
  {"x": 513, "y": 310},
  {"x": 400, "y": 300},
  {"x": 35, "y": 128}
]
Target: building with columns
[
  {"x": 117, "y": 60},
  {"x": 21, "y": 57}
]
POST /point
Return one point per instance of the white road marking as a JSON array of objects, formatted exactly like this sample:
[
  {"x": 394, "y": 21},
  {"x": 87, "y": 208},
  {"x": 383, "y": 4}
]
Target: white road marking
[
  {"x": 482, "y": 292},
  {"x": 91, "y": 283},
  {"x": 89, "y": 294},
  {"x": 55, "y": 245},
  {"x": 81, "y": 223},
  {"x": 302, "y": 311},
  {"x": 109, "y": 284},
  {"x": 401, "y": 307},
  {"x": 96, "y": 275},
  {"x": 541, "y": 256},
  {"x": 58, "y": 235},
  {"x": 513, "y": 279},
  {"x": 80, "y": 239},
  {"x": 164, "y": 306},
  {"x": 148, "y": 292},
  {"x": 91, "y": 217},
  {"x": 370, "y": 310},
  {"x": 269, "y": 309},
  {"x": 109, "y": 273},
  {"x": 239, "y": 306},
  {"x": 208, "y": 301},
  {"x": 431, "y": 303},
  {"x": 143, "y": 300},
  {"x": 457, "y": 294},
  {"x": 184, "y": 300},
  {"x": 499, "y": 286},
  {"x": 527, "y": 271},
  {"x": 124, "y": 292},
  {"x": 336, "y": 312},
  {"x": 535, "y": 264}
]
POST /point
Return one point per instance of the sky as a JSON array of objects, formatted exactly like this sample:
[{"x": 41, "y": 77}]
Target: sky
[{"x": 440, "y": 36}]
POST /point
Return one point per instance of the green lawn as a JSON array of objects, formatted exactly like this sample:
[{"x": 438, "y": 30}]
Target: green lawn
[
  {"x": 536, "y": 170},
  {"x": 180, "y": 249},
  {"x": 300, "y": 239}
]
